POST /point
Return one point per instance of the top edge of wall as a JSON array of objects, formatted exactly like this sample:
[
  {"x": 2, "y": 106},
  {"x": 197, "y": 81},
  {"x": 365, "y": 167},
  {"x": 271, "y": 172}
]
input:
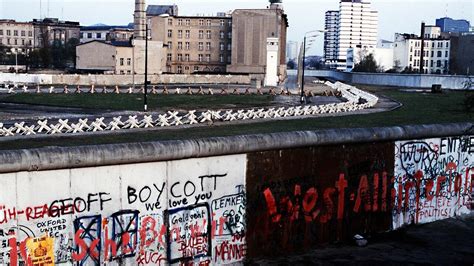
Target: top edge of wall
[{"x": 50, "y": 158}]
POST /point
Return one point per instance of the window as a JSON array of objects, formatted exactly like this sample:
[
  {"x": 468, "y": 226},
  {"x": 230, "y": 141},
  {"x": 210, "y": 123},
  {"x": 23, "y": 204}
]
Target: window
[
  {"x": 201, "y": 46},
  {"x": 180, "y": 69},
  {"x": 23, "y": 42},
  {"x": 229, "y": 35},
  {"x": 222, "y": 23},
  {"x": 208, "y": 58},
  {"x": 229, "y": 47},
  {"x": 169, "y": 57},
  {"x": 89, "y": 35},
  {"x": 170, "y": 33},
  {"x": 180, "y": 22},
  {"x": 208, "y": 34},
  {"x": 180, "y": 45},
  {"x": 122, "y": 72},
  {"x": 188, "y": 34},
  {"x": 121, "y": 61},
  {"x": 16, "y": 42},
  {"x": 201, "y": 22},
  {"x": 208, "y": 22},
  {"x": 196, "y": 68},
  {"x": 1, "y": 32},
  {"x": 432, "y": 53},
  {"x": 200, "y": 56},
  {"x": 447, "y": 44},
  {"x": 208, "y": 46},
  {"x": 170, "y": 45},
  {"x": 411, "y": 58},
  {"x": 186, "y": 57},
  {"x": 170, "y": 22},
  {"x": 432, "y": 63},
  {"x": 129, "y": 61},
  {"x": 221, "y": 58},
  {"x": 201, "y": 34},
  {"x": 23, "y": 33},
  {"x": 438, "y": 63},
  {"x": 99, "y": 35},
  {"x": 441, "y": 44},
  {"x": 180, "y": 34},
  {"x": 129, "y": 72},
  {"x": 446, "y": 54},
  {"x": 230, "y": 23},
  {"x": 229, "y": 59},
  {"x": 15, "y": 33},
  {"x": 82, "y": 35},
  {"x": 9, "y": 33},
  {"x": 8, "y": 41},
  {"x": 30, "y": 42},
  {"x": 188, "y": 45},
  {"x": 221, "y": 34},
  {"x": 221, "y": 46},
  {"x": 180, "y": 57},
  {"x": 440, "y": 54},
  {"x": 188, "y": 22}
]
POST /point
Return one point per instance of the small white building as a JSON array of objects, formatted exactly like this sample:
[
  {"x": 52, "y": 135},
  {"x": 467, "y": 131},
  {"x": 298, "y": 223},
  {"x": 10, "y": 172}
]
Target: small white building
[
  {"x": 383, "y": 57},
  {"x": 407, "y": 51},
  {"x": 120, "y": 58}
]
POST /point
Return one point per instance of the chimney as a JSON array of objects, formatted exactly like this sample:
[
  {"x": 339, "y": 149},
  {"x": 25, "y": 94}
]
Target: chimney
[
  {"x": 139, "y": 20},
  {"x": 422, "y": 57}
]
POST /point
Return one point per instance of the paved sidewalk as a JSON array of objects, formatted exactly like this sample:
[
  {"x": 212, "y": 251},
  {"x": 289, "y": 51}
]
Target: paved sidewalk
[{"x": 448, "y": 242}]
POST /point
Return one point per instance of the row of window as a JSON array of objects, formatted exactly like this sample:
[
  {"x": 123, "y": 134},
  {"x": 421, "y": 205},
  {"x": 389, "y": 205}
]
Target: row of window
[
  {"x": 16, "y": 32},
  {"x": 122, "y": 61},
  {"x": 187, "y": 46},
  {"x": 123, "y": 72},
  {"x": 416, "y": 63},
  {"x": 98, "y": 35},
  {"x": 427, "y": 53},
  {"x": 201, "y": 58},
  {"x": 187, "y": 34},
  {"x": 16, "y": 42},
  {"x": 202, "y": 22},
  {"x": 439, "y": 45}
]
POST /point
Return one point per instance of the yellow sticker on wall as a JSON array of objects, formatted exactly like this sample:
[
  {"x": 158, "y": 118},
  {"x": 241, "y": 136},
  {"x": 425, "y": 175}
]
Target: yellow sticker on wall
[{"x": 41, "y": 250}]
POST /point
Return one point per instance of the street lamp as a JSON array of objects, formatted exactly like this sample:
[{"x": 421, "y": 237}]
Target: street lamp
[
  {"x": 310, "y": 42},
  {"x": 145, "y": 104}
]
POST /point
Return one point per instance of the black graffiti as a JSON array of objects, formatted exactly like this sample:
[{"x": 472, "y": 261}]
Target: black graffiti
[{"x": 125, "y": 233}]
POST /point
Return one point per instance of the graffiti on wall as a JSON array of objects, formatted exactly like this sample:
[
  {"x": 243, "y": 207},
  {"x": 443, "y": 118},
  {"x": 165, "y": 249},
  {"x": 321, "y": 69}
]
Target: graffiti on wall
[
  {"x": 311, "y": 196},
  {"x": 433, "y": 179},
  {"x": 189, "y": 212}
]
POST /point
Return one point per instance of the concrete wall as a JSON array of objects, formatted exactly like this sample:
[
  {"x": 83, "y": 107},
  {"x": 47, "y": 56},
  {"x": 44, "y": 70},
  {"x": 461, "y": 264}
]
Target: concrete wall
[
  {"x": 222, "y": 200},
  {"x": 96, "y": 56},
  {"x": 112, "y": 80},
  {"x": 398, "y": 80}
]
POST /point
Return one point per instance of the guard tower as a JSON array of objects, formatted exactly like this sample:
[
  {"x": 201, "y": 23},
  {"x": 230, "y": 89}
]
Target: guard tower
[{"x": 276, "y": 4}]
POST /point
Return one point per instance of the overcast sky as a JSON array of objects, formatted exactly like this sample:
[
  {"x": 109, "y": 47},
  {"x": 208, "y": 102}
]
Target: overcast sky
[{"x": 304, "y": 15}]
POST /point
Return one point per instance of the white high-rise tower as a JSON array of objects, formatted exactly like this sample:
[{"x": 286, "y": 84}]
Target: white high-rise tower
[{"x": 356, "y": 27}]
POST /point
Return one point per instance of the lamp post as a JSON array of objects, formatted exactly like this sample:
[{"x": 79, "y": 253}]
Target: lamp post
[
  {"x": 145, "y": 104},
  {"x": 302, "y": 99}
]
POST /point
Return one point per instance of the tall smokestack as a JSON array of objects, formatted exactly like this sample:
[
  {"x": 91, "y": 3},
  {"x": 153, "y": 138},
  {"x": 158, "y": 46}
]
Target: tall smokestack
[{"x": 139, "y": 20}]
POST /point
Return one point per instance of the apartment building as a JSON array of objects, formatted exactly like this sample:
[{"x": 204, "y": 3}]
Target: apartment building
[
  {"x": 331, "y": 38},
  {"x": 50, "y": 30},
  {"x": 106, "y": 33},
  {"x": 252, "y": 31},
  {"x": 436, "y": 52},
  {"x": 194, "y": 44},
  {"x": 356, "y": 26},
  {"x": 18, "y": 36}
]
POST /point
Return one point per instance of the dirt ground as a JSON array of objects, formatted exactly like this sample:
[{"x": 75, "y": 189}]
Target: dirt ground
[{"x": 447, "y": 242}]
